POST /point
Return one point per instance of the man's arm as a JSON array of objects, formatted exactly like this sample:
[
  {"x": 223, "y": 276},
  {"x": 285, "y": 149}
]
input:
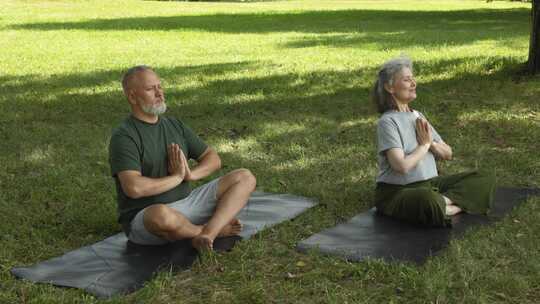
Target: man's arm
[
  {"x": 208, "y": 163},
  {"x": 135, "y": 185}
]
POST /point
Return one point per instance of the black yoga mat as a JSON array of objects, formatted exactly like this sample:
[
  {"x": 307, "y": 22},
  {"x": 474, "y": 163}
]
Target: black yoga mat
[
  {"x": 370, "y": 235},
  {"x": 115, "y": 266}
]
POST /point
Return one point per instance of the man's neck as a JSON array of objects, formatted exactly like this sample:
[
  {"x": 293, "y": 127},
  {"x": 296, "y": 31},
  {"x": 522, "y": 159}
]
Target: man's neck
[{"x": 148, "y": 118}]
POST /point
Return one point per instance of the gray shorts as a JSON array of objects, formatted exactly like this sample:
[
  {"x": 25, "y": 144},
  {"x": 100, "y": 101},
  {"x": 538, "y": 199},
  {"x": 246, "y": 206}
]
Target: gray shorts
[{"x": 197, "y": 207}]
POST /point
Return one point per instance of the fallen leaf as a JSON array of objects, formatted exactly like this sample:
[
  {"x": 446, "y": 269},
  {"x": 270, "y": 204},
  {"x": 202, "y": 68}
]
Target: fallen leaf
[
  {"x": 501, "y": 295},
  {"x": 290, "y": 275}
]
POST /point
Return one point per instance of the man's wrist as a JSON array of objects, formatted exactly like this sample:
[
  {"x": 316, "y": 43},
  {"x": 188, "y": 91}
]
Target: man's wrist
[
  {"x": 192, "y": 177},
  {"x": 196, "y": 173},
  {"x": 178, "y": 177}
]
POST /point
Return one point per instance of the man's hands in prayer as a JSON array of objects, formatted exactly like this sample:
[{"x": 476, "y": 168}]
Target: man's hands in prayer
[
  {"x": 176, "y": 164},
  {"x": 188, "y": 176}
]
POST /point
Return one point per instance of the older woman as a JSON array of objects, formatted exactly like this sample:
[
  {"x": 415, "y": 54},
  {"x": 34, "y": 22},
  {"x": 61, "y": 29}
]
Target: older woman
[{"x": 408, "y": 185}]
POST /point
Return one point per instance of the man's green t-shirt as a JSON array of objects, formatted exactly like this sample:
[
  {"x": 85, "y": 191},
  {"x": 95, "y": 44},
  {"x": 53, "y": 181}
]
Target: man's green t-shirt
[{"x": 140, "y": 146}]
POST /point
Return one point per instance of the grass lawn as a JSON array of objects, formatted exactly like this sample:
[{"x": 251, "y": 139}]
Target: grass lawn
[{"x": 280, "y": 88}]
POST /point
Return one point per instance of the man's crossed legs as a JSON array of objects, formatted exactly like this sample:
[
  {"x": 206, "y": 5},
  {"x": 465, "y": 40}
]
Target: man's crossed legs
[{"x": 208, "y": 212}]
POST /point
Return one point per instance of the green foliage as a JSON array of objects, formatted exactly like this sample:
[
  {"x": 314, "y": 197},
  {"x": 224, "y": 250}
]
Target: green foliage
[{"x": 280, "y": 88}]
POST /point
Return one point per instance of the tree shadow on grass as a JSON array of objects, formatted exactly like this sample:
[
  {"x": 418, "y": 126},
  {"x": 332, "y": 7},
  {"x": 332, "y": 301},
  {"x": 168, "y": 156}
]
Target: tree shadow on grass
[
  {"x": 53, "y": 84},
  {"x": 297, "y": 136},
  {"x": 352, "y": 27}
]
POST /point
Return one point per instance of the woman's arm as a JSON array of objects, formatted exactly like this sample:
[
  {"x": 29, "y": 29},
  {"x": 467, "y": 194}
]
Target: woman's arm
[
  {"x": 441, "y": 150},
  {"x": 404, "y": 163}
]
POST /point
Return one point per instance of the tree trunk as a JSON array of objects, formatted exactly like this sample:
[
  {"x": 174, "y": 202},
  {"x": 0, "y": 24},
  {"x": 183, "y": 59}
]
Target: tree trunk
[{"x": 534, "y": 48}]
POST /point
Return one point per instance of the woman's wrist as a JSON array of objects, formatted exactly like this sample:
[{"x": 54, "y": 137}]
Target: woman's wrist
[
  {"x": 435, "y": 146},
  {"x": 426, "y": 146}
]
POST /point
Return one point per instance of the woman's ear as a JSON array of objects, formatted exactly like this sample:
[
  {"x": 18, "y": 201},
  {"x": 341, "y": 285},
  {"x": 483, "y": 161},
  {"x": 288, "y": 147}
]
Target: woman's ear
[{"x": 389, "y": 88}]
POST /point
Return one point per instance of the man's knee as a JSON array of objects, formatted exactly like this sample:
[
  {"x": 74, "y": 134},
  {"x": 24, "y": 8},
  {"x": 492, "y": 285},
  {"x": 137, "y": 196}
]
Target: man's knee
[
  {"x": 245, "y": 178},
  {"x": 159, "y": 217},
  {"x": 248, "y": 178}
]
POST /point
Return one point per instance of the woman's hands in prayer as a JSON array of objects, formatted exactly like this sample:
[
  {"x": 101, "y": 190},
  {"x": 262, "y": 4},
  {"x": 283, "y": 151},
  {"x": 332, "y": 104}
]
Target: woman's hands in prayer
[
  {"x": 424, "y": 136},
  {"x": 402, "y": 163},
  {"x": 423, "y": 132}
]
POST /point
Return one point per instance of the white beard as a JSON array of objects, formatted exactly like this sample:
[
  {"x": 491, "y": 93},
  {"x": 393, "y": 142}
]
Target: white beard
[{"x": 154, "y": 110}]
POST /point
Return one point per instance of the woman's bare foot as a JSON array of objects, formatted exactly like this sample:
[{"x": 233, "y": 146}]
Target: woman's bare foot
[
  {"x": 447, "y": 201},
  {"x": 234, "y": 227},
  {"x": 202, "y": 242},
  {"x": 452, "y": 210}
]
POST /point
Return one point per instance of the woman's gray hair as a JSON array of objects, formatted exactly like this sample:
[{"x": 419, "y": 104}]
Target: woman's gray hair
[{"x": 380, "y": 96}]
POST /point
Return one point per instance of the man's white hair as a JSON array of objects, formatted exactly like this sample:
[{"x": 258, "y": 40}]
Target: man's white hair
[{"x": 131, "y": 73}]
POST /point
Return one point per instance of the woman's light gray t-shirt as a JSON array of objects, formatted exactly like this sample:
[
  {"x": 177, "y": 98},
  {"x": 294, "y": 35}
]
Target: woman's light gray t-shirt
[{"x": 398, "y": 130}]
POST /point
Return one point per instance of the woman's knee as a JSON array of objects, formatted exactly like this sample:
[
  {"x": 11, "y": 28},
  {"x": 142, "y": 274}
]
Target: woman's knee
[
  {"x": 418, "y": 205},
  {"x": 430, "y": 208},
  {"x": 423, "y": 198}
]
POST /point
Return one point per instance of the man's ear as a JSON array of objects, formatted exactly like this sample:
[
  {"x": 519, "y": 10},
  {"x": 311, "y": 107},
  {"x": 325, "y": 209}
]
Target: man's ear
[
  {"x": 130, "y": 94},
  {"x": 389, "y": 88}
]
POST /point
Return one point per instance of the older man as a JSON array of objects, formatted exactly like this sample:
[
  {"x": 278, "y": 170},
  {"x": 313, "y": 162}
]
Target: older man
[{"x": 149, "y": 154}]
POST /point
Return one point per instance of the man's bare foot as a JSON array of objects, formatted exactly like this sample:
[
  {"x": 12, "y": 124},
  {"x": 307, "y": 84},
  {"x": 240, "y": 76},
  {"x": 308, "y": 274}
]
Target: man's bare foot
[
  {"x": 452, "y": 210},
  {"x": 202, "y": 242},
  {"x": 234, "y": 227}
]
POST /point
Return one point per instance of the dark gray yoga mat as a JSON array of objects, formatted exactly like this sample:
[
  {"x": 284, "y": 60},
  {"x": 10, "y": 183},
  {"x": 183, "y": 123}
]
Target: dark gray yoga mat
[
  {"x": 115, "y": 266},
  {"x": 370, "y": 235}
]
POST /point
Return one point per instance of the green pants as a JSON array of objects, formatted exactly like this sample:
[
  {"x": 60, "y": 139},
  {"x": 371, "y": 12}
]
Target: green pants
[{"x": 423, "y": 203}]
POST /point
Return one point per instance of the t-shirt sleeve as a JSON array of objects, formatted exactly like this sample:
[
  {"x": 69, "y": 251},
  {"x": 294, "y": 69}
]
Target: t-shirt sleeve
[
  {"x": 196, "y": 146},
  {"x": 387, "y": 135},
  {"x": 435, "y": 134},
  {"x": 123, "y": 154}
]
